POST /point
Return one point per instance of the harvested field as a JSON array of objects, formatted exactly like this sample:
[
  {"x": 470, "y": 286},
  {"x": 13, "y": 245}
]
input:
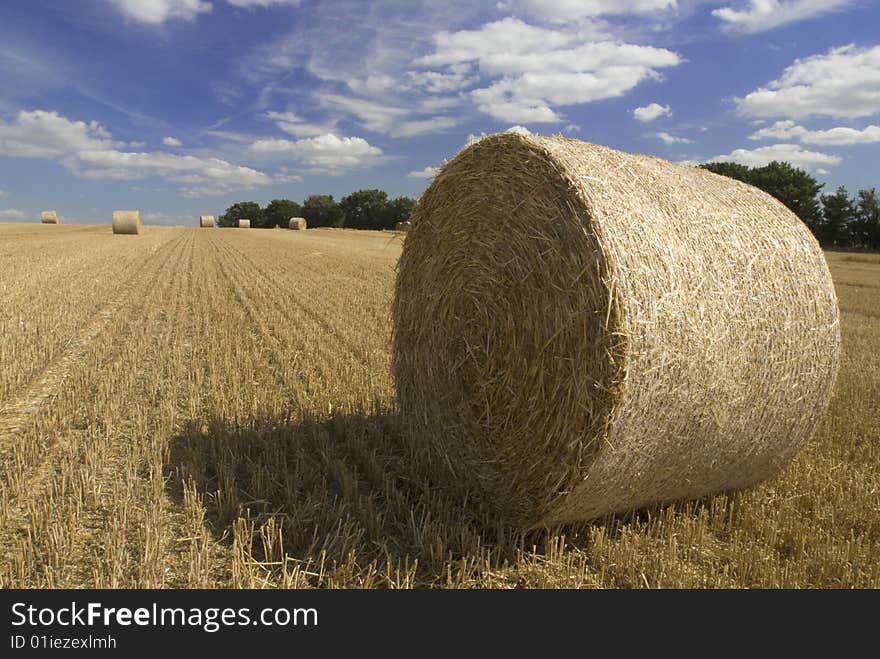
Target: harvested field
[{"x": 215, "y": 409}]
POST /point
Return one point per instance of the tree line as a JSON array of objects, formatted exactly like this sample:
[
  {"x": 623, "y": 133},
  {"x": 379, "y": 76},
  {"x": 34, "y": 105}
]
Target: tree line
[
  {"x": 364, "y": 209},
  {"x": 837, "y": 220}
]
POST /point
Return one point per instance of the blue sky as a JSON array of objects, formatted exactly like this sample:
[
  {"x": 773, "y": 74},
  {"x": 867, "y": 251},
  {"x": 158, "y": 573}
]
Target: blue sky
[{"x": 182, "y": 107}]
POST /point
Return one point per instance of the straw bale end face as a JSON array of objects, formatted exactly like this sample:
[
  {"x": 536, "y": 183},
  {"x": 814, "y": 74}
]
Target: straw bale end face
[
  {"x": 298, "y": 223},
  {"x": 49, "y": 217},
  {"x": 127, "y": 222},
  {"x": 206, "y": 221},
  {"x": 580, "y": 331},
  {"x": 244, "y": 224}
]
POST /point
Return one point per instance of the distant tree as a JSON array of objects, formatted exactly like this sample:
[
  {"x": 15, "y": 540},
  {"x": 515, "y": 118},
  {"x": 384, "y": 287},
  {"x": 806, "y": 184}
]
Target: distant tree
[
  {"x": 398, "y": 210},
  {"x": 866, "y": 224},
  {"x": 793, "y": 187},
  {"x": 730, "y": 169},
  {"x": 244, "y": 209},
  {"x": 838, "y": 213},
  {"x": 279, "y": 212},
  {"x": 364, "y": 209},
  {"x": 322, "y": 211}
]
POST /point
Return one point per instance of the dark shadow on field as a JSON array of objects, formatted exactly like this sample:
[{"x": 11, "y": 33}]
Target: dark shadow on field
[
  {"x": 349, "y": 493},
  {"x": 348, "y": 488}
]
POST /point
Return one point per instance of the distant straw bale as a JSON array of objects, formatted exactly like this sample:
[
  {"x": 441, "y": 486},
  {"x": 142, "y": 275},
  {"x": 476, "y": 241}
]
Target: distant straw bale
[
  {"x": 206, "y": 221},
  {"x": 127, "y": 222},
  {"x": 244, "y": 224},
  {"x": 49, "y": 217},
  {"x": 579, "y": 331},
  {"x": 298, "y": 223},
  {"x": 402, "y": 226}
]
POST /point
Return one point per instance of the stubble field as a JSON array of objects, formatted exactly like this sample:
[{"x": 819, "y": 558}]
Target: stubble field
[{"x": 214, "y": 408}]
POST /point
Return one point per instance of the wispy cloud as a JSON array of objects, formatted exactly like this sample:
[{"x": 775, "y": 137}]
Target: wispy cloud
[
  {"x": 841, "y": 83},
  {"x": 651, "y": 112},
  {"x": 838, "y": 136},
  {"x": 791, "y": 153},
  {"x": 666, "y": 138},
  {"x": 87, "y": 150},
  {"x": 762, "y": 15},
  {"x": 534, "y": 70},
  {"x": 325, "y": 154},
  {"x": 426, "y": 173}
]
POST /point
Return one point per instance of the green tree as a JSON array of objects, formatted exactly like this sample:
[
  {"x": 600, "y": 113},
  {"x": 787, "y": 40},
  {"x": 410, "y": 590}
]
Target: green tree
[
  {"x": 793, "y": 187},
  {"x": 838, "y": 212},
  {"x": 244, "y": 209},
  {"x": 866, "y": 224},
  {"x": 364, "y": 209},
  {"x": 398, "y": 210},
  {"x": 729, "y": 169},
  {"x": 322, "y": 211},
  {"x": 279, "y": 212}
]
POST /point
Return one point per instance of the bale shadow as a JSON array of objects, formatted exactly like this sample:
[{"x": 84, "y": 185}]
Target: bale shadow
[
  {"x": 346, "y": 492},
  {"x": 350, "y": 502}
]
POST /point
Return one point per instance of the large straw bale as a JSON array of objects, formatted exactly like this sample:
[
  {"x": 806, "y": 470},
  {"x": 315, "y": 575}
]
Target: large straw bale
[
  {"x": 244, "y": 224},
  {"x": 128, "y": 222},
  {"x": 579, "y": 331},
  {"x": 49, "y": 217},
  {"x": 298, "y": 223},
  {"x": 206, "y": 221}
]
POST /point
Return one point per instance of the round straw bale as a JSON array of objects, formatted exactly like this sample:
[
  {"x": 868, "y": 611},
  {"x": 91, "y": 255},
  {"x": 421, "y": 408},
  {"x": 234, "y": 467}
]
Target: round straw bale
[
  {"x": 127, "y": 222},
  {"x": 244, "y": 224},
  {"x": 206, "y": 221},
  {"x": 49, "y": 217},
  {"x": 298, "y": 223},
  {"x": 402, "y": 226},
  {"x": 579, "y": 331}
]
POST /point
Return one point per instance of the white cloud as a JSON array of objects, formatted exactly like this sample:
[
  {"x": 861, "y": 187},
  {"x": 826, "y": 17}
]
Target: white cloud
[
  {"x": 672, "y": 139},
  {"x": 198, "y": 176},
  {"x": 158, "y": 11},
  {"x": 760, "y": 15},
  {"x": 293, "y": 124},
  {"x": 422, "y": 126},
  {"x": 522, "y": 130},
  {"x": 262, "y": 3},
  {"x": 12, "y": 214},
  {"x": 651, "y": 112},
  {"x": 845, "y": 82},
  {"x": 435, "y": 82},
  {"x": 534, "y": 68},
  {"x": 570, "y": 10},
  {"x": 172, "y": 141},
  {"x": 791, "y": 153},
  {"x": 823, "y": 172},
  {"x": 838, "y": 136},
  {"x": 537, "y": 112},
  {"x": 87, "y": 150},
  {"x": 42, "y": 134},
  {"x": 426, "y": 173},
  {"x": 376, "y": 117},
  {"x": 2, "y": 193},
  {"x": 325, "y": 153}
]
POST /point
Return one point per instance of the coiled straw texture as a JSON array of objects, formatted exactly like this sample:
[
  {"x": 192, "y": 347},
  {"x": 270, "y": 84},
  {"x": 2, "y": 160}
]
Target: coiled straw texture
[{"x": 579, "y": 331}]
